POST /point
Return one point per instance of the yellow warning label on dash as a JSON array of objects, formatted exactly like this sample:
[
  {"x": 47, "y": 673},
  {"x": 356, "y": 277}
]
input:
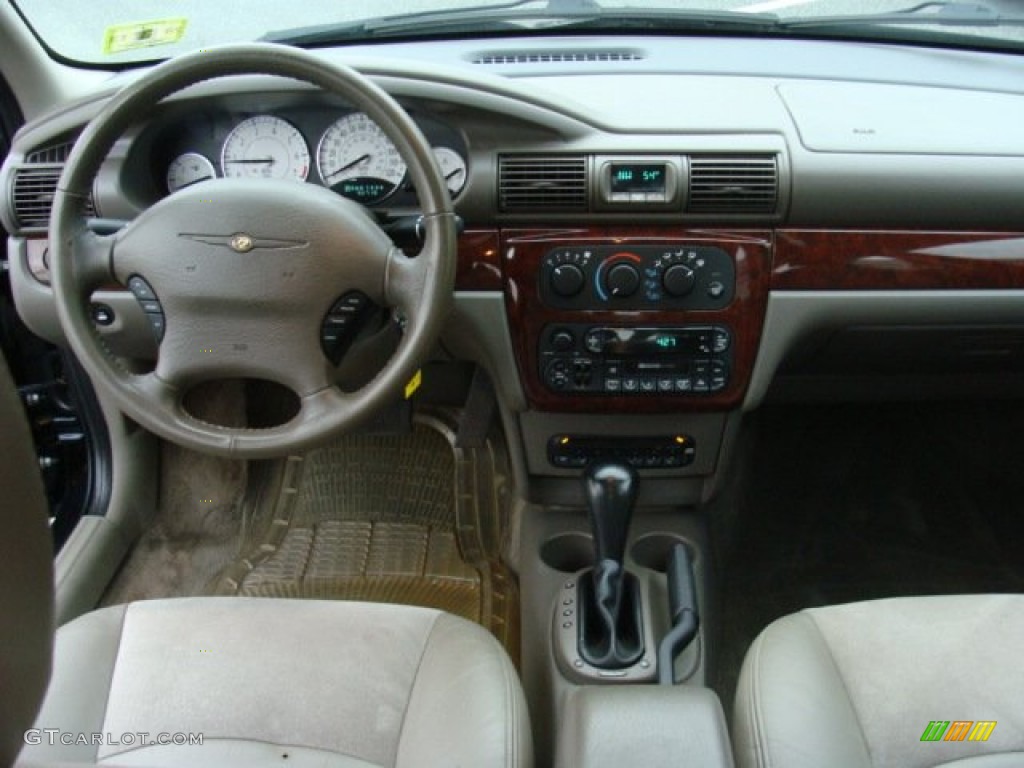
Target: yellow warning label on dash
[
  {"x": 143, "y": 34},
  {"x": 414, "y": 384}
]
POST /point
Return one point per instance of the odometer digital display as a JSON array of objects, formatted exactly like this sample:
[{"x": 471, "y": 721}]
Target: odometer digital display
[{"x": 364, "y": 189}]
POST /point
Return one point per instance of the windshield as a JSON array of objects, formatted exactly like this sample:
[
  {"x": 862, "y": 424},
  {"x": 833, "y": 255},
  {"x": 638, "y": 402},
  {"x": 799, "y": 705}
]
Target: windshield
[{"x": 121, "y": 32}]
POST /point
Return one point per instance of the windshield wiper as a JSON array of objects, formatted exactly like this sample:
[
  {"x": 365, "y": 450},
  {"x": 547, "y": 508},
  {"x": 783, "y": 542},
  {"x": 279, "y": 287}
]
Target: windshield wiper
[
  {"x": 944, "y": 14},
  {"x": 565, "y": 15},
  {"x": 587, "y": 15}
]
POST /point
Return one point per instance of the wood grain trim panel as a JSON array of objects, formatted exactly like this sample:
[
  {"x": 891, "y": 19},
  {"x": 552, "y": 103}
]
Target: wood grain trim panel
[
  {"x": 479, "y": 266},
  {"x": 522, "y": 252},
  {"x": 831, "y": 260}
]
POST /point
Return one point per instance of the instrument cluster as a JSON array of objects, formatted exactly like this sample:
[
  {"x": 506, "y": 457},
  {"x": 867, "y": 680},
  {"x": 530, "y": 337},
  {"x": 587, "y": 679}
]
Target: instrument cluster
[{"x": 343, "y": 150}]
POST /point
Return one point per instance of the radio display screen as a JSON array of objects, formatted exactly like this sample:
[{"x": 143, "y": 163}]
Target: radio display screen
[
  {"x": 634, "y": 177},
  {"x": 655, "y": 343}
]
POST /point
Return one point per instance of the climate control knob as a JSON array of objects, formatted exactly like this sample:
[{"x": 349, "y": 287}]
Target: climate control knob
[
  {"x": 622, "y": 280},
  {"x": 678, "y": 280},
  {"x": 567, "y": 280}
]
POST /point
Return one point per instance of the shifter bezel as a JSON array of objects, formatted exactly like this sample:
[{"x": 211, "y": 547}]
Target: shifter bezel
[{"x": 565, "y": 629}]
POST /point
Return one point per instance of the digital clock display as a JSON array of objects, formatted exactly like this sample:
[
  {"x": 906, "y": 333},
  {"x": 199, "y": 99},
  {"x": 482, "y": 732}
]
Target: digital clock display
[{"x": 634, "y": 177}]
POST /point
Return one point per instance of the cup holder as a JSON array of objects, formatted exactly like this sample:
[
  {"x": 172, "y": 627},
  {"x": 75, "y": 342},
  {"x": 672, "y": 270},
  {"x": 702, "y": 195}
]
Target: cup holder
[
  {"x": 568, "y": 552},
  {"x": 652, "y": 550}
]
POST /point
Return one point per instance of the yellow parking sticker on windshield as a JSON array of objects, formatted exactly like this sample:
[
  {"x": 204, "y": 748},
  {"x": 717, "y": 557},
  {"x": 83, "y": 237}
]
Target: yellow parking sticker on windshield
[{"x": 143, "y": 34}]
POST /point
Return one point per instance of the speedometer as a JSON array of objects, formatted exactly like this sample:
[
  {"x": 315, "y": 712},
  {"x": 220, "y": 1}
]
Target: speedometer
[
  {"x": 265, "y": 147},
  {"x": 358, "y": 160}
]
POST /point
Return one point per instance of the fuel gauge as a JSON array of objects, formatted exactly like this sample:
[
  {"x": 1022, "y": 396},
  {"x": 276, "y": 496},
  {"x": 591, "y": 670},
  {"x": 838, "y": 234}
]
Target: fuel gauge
[
  {"x": 453, "y": 168},
  {"x": 188, "y": 169}
]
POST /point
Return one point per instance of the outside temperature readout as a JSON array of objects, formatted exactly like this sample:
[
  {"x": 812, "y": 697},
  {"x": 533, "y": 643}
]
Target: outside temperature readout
[{"x": 638, "y": 178}]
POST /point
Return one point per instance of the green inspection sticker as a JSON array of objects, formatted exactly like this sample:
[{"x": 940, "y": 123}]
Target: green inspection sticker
[{"x": 143, "y": 34}]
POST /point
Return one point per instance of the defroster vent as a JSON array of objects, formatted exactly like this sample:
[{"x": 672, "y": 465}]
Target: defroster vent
[
  {"x": 733, "y": 185},
  {"x": 542, "y": 183}
]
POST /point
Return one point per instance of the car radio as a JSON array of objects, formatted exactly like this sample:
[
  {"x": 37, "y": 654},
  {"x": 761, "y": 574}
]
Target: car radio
[{"x": 651, "y": 360}]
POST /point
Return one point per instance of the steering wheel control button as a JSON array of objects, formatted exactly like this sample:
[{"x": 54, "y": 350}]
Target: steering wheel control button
[
  {"x": 342, "y": 324},
  {"x": 102, "y": 314},
  {"x": 140, "y": 288},
  {"x": 150, "y": 304},
  {"x": 156, "y": 322},
  {"x": 676, "y": 276}
]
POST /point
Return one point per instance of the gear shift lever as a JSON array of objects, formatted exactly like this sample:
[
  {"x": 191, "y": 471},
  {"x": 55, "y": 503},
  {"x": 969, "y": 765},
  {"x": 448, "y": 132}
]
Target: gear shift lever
[
  {"x": 610, "y": 490},
  {"x": 610, "y": 635}
]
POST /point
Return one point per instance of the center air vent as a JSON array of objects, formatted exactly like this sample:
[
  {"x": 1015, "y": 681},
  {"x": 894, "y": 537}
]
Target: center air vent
[
  {"x": 733, "y": 185},
  {"x": 558, "y": 57},
  {"x": 542, "y": 183}
]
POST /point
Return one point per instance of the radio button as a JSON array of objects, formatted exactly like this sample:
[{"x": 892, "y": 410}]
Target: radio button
[
  {"x": 719, "y": 340},
  {"x": 630, "y": 384},
  {"x": 666, "y": 384},
  {"x": 701, "y": 384},
  {"x": 562, "y": 340},
  {"x": 612, "y": 385},
  {"x": 684, "y": 384},
  {"x": 647, "y": 384},
  {"x": 596, "y": 340}
]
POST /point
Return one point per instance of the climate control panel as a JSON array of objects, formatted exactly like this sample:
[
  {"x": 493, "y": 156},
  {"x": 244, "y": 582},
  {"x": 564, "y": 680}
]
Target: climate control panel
[
  {"x": 630, "y": 360},
  {"x": 677, "y": 276}
]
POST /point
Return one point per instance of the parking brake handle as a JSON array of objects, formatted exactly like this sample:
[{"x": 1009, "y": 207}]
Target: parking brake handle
[{"x": 682, "y": 600}]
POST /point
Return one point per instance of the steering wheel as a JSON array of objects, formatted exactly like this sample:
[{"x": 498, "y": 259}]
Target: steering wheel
[{"x": 247, "y": 271}]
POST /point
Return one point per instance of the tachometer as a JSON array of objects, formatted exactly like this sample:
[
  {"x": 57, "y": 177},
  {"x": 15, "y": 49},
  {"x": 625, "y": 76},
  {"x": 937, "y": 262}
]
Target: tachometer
[
  {"x": 358, "y": 160},
  {"x": 188, "y": 169},
  {"x": 265, "y": 147}
]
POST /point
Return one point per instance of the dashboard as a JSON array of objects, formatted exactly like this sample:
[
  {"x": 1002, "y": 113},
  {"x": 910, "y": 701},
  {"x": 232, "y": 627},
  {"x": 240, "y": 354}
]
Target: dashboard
[{"x": 678, "y": 232}]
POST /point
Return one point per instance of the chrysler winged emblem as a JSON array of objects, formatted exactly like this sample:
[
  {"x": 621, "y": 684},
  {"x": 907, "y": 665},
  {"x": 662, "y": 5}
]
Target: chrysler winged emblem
[{"x": 241, "y": 243}]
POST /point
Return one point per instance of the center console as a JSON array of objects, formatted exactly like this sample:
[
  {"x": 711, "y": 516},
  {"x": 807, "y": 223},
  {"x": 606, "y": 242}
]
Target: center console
[{"x": 635, "y": 348}]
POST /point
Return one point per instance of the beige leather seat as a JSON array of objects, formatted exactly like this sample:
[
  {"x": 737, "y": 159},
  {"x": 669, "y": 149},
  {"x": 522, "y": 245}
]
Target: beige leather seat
[
  {"x": 261, "y": 681},
  {"x": 859, "y": 685}
]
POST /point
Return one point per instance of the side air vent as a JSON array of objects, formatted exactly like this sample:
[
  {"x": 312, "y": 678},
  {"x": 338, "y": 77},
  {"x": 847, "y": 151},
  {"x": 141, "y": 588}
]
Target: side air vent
[
  {"x": 35, "y": 184},
  {"x": 542, "y": 183},
  {"x": 557, "y": 57},
  {"x": 733, "y": 185},
  {"x": 34, "y": 190}
]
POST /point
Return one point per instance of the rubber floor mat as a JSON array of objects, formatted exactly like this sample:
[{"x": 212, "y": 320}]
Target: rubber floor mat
[{"x": 400, "y": 519}]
